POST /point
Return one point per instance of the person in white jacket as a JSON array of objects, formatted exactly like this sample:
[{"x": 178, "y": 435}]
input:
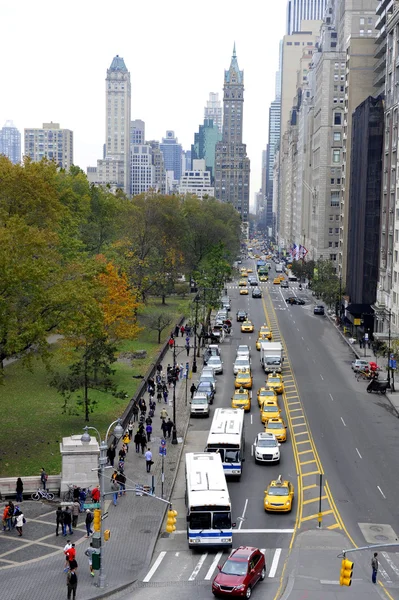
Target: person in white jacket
[{"x": 20, "y": 522}]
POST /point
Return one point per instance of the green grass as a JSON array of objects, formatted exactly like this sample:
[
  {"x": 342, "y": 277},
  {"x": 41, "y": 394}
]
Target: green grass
[{"x": 33, "y": 423}]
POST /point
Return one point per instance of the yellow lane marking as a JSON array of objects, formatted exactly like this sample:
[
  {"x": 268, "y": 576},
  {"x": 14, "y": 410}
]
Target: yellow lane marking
[
  {"x": 307, "y": 462},
  {"x": 303, "y": 442},
  {"x": 309, "y": 487},
  {"x": 296, "y": 410},
  {"x": 304, "y": 452},
  {"x": 310, "y": 517},
  {"x": 301, "y": 433},
  {"x": 335, "y": 526},
  {"x": 299, "y": 424},
  {"x": 317, "y": 499},
  {"x": 293, "y": 403},
  {"x": 310, "y": 473}
]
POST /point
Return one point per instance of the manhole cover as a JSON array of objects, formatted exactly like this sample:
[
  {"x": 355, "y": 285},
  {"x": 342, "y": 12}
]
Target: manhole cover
[
  {"x": 376, "y": 528},
  {"x": 382, "y": 538}
]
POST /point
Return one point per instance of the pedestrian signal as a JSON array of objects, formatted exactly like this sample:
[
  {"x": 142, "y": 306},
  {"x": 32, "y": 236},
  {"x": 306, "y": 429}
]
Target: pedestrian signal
[
  {"x": 97, "y": 519},
  {"x": 346, "y": 572},
  {"x": 171, "y": 521},
  {"x": 107, "y": 535}
]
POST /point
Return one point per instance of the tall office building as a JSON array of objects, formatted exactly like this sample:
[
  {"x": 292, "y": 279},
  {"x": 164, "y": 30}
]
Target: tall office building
[
  {"x": 213, "y": 110},
  {"x": 10, "y": 142},
  {"x": 197, "y": 181},
  {"x": 273, "y": 142},
  {"x": 142, "y": 169},
  {"x": 303, "y": 10},
  {"x": 205, "y": 144},
  {"x": 172, "y": 154},
  {"x": 50, "y": 142},
  {"x": 137, "y": 132},
  {"x": 232, "y": 166}
]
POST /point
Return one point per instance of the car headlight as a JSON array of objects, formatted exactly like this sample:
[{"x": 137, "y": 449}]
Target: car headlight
[
  {"x": 240, "y": 587},
  {"x": 287, "y": 503},
  {"x": 216, "y": 584},
  {"x": 266, "y": 501}
]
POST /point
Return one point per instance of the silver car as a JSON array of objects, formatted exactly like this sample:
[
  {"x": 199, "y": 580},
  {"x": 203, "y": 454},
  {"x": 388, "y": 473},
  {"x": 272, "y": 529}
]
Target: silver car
[
  {"x": 241, "y": 362},
  {"x": 243, "y": 350},
  {"x": 209, "y": 378},
  {"x": 216, "y": 363}
]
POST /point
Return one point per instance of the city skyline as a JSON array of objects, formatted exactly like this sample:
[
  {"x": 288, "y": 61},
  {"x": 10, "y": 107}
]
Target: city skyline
[{"x": 74, "y": 93}]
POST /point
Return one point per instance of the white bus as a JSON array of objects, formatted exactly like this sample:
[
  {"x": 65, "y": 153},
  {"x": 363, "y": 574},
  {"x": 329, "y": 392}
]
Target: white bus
[
  {"x": 208, "y": 501},
  {"x": 226, "y": 437}
]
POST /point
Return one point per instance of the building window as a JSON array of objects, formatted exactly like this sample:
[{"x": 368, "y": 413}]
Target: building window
[
  {"x": 337, "y": 118},
  {"x": 361, "y": 21},
  {"x": 330, "y": 244},
  {"x": 334, "y": 198},
  {"x": 332, "y": 181},
  {"x": 330, "y": 230},
  {"x": 337, "y": 136},
  {"x": 336, "y": 156},
  {"x": 333, "y": 257}
]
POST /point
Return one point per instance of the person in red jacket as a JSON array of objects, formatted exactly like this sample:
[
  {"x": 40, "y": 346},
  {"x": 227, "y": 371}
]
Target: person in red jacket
[{"x": 95, "y": 494}]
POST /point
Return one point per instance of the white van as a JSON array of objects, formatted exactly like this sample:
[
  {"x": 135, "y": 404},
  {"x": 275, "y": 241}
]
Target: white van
[{"x": 199, "y": 405}]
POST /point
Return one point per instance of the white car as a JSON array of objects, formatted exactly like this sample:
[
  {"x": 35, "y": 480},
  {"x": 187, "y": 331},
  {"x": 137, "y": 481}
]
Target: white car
[
  {"x": 241, "y": 362},
  {"x": 266, "y": 448},
  {"x": 243, "y": 350},
  {"x": 199, "y": 405},
  {"x": 216, "y": 363},
  {"x": 359, "y": 364}
]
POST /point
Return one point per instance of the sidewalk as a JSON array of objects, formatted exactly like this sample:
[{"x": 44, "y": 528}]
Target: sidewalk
[{"x": 36, "y": 563}]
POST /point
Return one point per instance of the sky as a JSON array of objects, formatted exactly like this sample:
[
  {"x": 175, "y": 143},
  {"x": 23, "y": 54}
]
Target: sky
[{"x": 55, "y": 56}]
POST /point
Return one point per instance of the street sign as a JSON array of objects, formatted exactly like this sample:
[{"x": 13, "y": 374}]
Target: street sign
[
  {"x": 392, "y": 363},
  {"x": 162, "y": 450},
  {"x": 105, "y": 515},
  {"x": 163, "y": 442},
  {"x": 142, "y": 488},
  {"x": 366, "y": 336},
  {"x": 91, "y": 505}
]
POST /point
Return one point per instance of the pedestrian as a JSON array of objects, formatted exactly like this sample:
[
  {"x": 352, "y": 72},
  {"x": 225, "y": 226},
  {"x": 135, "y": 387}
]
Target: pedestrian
[
  {"x": 165, "y": 396},
  {"x": 115, "y": 487},
  {"x": 148, "y": 431},
  {"x": 152, "y": 405},
  {"x": 148, "y": 460},
  {"x": 135, "y": 412},
  {"x": 130, "y": 429},
  {"x": 374, "y": 567},
  {"x": 181, "y": 369},
  {"x": 164, "y": 414},
  {"x": 88, "y": 522},
  {"x": 148, "y": 420},
  {"x": 177, "y": 329},
  {"x": 19, "y": 489},
  {"x": 20, "y": 521},
  {"x": 122, "y": 453},
  {"x": 159, "y": 368},
  {"x": 67, "y": 546},
  {"x": 76, "y": 492},
  {"x": 182, "y": 330},
  {"x": 82, "y": 497},
  {"x": 43, "y": 478},
  {"x": 75, "y": 513},
  {"x": 164, "y": 428},
  {"x": 6, "y": 518},
  {"x": 70, "y": 555},
  {"x": 95, "y": 494},
  {"x": 143, "y": 442},
  {"x": 111, "y": 454},
  {"x": 59, "y": 519},
  {"x": 72, "y": 584},
  {"x": 126, "y": 441},
  {"x": 193, "y": 389},
  {"x": 137, "y": 441},
  {"x": 89, "y": 553},
  {"x": 169, "y": 425},
  {"x": 159, "y": 395},
  {"x": 188, "y": 349},
  {"x": 67, "y": 522},
  {"x": 171, "y": 342},
  {"x": 121, "y": 479}
]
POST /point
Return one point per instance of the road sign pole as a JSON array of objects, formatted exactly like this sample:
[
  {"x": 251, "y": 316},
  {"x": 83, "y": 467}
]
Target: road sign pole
[
  {"x": 320, "y": 515},
  {"x": 162, "y": 477}
]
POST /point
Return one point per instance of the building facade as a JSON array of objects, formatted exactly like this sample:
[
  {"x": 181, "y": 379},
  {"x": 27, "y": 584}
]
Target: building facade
[
  {"x": 50, "y": 142},
  {"x": 213, "y": 110},
  {"x": 303, "y": 10},
  {"x": 10, "y": 142},
  {"x": 204, "y": 146},
  {"x": 160, "y": 181},
  {"x": 137, "y": 132},
  {"x": 172, "y": 154},
  {"x": 197, "y": 181},
  {"x": 232, "y": 166},
  {"x": 142, "y": 176}
]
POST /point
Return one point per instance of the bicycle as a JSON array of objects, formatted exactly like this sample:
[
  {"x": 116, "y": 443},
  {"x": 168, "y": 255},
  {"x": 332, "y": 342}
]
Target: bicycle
[
  {"x": 42, "y": 495},
  {"x": 69, "y": 496}
]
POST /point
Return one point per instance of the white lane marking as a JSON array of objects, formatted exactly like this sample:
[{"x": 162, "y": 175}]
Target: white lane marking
[
  {"x": 251, "y": 420},
  {"x": 308, "y": 349},
  {"x": 154, "y": 567},
  {"x": 329, "y": 582},
  {"x": 213, "y": 565},
  {"x": 359, "y": 453},
  {"x": 322, "y": 377},
  {"x": 331, "y": 398},
  {"x": 384, "y": 573},
  {"x": 381, "y": 492},
  {"x": 297, "y": 327},
  {"x": 391, "y": 563},
  {"x": 275, "y": 560},
  {"x": 302, "y": 338},
  {"x": 177, "y": 553},
  {"x": 252, "y": 450},
  {"x": 343, "y": 422},
  {"x": 198, "y": 567},
  {"x": 243, "y": 514}
]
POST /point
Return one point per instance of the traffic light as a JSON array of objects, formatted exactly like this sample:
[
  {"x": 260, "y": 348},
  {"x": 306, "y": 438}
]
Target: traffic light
[
  {"x": 97, "y": 519},
  {"x": 346, "y": 572},
  {"x": 107, "y": 535},
  {"x": 171, "y": 521}
]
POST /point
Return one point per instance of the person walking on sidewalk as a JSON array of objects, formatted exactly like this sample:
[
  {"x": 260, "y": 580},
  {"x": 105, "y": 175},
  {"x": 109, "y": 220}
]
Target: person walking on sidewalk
[
  {"x": 89, "y": 553},
  {"x": 67, "y": 522},
  {"x": 148, "y": 460},
  {"x": 130, "y": 429},
  {"x": 182, "y": 330},
  {"x": 137, "y": 441},
  {"x": 75, "y": 513},
  {"x": 164, "y": 428},
  {"x": 374, "y": 567},
  {"x": 20, "y": 521},
  {"x": 169, "y": 425},
  {"x": 164, "y": 414},
  {"x": 88, "y": 522},
  {"x": 143, "y": 442},
  {"x": 59, "y": 519},
  {"x": 111, "y": 455},
  {"x": 43, "y": 478},
  {"x": 115, "y": 487},
  {"x": 165, "y": 395},
  {"x": 135, "y": 412},
  {"x": 193, "y": 389},
  {"x": 72, "y": 584},
  {"x": 19, "y": 489},
  {"x": 148, "y": 431}
]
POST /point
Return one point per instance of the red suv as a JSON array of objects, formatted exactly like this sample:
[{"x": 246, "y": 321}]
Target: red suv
[{"x": 240, "y": 573}]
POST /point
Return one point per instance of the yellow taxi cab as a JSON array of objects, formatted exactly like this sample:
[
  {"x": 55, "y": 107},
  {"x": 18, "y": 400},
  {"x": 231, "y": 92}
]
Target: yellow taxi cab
[
  {"x": 243, "y": 291},
  {"x": 243, "y": 270},
  {"x": 265, "y": 331},
  {"x": 269, "y": 410},
  {"x": 279, "y": 496},
  {"x": 241, "y": 399},
  {"x": 281, "y": 277},
  {"x": 242, "y": 282},
  {"x": 244, "y": 274},
  {"x": 263, "y": 278},
  {"x": 261, "y": 338},
  {"x": 244, "y": 379},
  {"x": 276, "y": 281},
  {"x": 249, "y": 271},
  {"x": 247, "y": 327},
  {"x": 275, "y": 382},
  {"x": 266, "y": 394},
  {"x": 278, "y": 427}
]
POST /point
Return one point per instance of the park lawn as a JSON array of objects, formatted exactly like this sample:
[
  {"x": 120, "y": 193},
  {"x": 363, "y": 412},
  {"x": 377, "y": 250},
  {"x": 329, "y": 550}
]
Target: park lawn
[{"x": 33, "y": 423}]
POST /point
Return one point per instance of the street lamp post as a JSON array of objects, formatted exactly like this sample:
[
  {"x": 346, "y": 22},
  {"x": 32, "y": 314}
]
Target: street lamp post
[
  {"x": 194, "y": 367},
  {"x": 389, "y": 347},
  {"x": 103, "y": 444}
]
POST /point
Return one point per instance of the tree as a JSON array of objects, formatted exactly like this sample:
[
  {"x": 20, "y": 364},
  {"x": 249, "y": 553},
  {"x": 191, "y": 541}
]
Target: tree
[
  {"x": 326, "y": 283},
  {"x": 159, "y": 321}
]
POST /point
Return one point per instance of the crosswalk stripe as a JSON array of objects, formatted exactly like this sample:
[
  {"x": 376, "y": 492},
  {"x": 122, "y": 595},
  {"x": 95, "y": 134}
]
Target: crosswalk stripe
[
  {"x": 275, "y": 560},
  {"x": 213, "y": 565},
  {"x": 391, "y": 563},
  {"x": 198, "y": 567},
  {"x": 154, "y": 567}
]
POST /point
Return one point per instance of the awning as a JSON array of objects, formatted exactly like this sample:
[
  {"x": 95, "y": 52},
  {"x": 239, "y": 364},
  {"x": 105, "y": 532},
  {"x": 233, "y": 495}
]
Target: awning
[{"x": 360, "y": 309}]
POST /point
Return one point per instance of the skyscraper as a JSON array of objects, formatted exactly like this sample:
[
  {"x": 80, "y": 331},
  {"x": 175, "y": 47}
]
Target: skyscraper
[
  {"x": 205, "y": 144},
  {"x": 137, "y": 132},
  {"x": 303, "y": 10},
  {"x": 213, "y": 110},
  {"x": 50, "y": 142},
  {"x": 232, "y": 166},
  {"x": 172, "y": 154},
  {"x": 10, "y": 142}
]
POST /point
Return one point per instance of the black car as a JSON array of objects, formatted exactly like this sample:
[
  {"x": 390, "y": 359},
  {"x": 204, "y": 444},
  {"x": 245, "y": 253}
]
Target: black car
[
  {"x": 318, "y": 309},
  {"x": 295, "y": 300},
  {"x": 206, "y": 387},
  {"x": 241, "y": 315},
  {"x": 254, "y": 282},
  {"x": 256, "y": 293}
]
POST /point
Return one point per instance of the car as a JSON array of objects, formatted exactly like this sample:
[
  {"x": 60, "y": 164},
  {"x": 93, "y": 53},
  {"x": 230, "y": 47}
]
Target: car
[
  {"x": 276, "y": 281},
  {"x": 254, "y": 282},
  {"x": 318, "y": 309},
  {"x": 211, "y": 350},
  {"x": 275, "y": 382},
  {"x": 256, "y": 293},
  {"x": 241, "y": 362},
  {"x": 207, "y": 388},
  {"x": 216, "y": 363},
  {"x": 241, "y": 315},
  {"x": 209, "y": 378},
  {"x": 243, "y": 291},
  {"x": 263, "y": 278},
  {"x": 240, "y": 573},
  {"x": 266, "y": 448},
  {"x": 241, "y": 399},
  {"x": 265, "y": 331},
  {"x": 244, "y": 274},
  {"x": 269, "y": 410},
  {"x": 295, "y": 300},
  {"x": 284, "y": 284},
  {"x": 242, "y": 283},
  {"x": 279, "y": 496},
  {"x": 249, "y": 270},
  {"x": 278, "y": 427},
  {"x": 359, "y": 364},
  {"x": 243, "y": 379},
  {"x": 208, "y": 370},
  {"x": 266, "y": 393},
  {"x": 247, "y": 327},
  {"x": 199, "y": 405},
  {"x": 243, "y": 350},
  {"x": 221, "y": 314},
  {"x": 261, "y": 338}
]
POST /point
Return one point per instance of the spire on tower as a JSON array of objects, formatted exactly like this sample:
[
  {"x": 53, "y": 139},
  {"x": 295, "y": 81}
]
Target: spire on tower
[{"x": 234, "y": 51}]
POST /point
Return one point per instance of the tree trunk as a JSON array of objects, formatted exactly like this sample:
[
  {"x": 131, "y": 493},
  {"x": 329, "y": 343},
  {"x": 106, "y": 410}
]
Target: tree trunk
[
  {"x": 159, "y": 336},
  {"x": 163, "y": 299},
  {"x": 86, "y": 393}
]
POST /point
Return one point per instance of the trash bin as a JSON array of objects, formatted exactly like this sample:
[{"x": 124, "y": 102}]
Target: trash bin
[{"x": 96, "y": 558}]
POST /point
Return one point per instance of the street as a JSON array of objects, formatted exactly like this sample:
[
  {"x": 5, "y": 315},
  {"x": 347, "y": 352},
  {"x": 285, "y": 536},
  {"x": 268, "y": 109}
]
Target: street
[{"x": 335, "y": 428}]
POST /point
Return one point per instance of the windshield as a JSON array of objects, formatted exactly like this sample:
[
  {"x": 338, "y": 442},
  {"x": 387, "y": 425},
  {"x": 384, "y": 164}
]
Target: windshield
[
  {"x": 273, "y": 380},
  {"x": 222, "y": 520},
  {"x": 241, "y": 362},
  {"x": 270, "y": 408},
  {"x": 199, "y": 401},
  {"x": 233, "y": 567},
  {"x": 214, "y": 360},
  {"x": 207, "y": 378},
  {"x": 200, "y": 520},
  {"x": 203, "y": 385},
  {"x": 274, "y": 425},
  {"x": 273, "y": 360},
  {"x": 278, "y": 491},
  {"x": 231, "y": 456},
  {"x": 266, "y": 443}
]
